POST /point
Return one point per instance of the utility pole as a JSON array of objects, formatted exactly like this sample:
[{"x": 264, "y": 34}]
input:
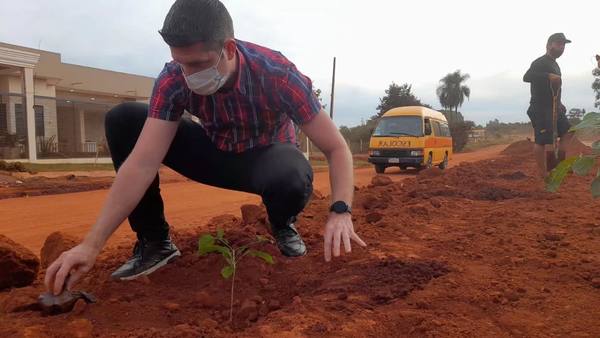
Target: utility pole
[{"x": 332, "y": 91}]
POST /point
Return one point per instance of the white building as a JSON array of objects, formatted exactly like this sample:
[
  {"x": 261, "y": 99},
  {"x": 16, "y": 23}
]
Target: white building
[{"x": 53, "y": 112}]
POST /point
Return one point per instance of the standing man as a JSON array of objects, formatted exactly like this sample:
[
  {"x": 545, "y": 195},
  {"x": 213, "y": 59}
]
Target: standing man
[
  {"x": 246, "y": 97},
  {"x": 545, "y": 78}
]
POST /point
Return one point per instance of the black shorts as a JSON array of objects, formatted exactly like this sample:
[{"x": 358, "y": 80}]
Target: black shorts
[{"x": 542, "y": 125}]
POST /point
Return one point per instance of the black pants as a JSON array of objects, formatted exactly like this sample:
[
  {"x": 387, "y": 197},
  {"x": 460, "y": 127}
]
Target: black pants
[{"x": 279, "y": 173}]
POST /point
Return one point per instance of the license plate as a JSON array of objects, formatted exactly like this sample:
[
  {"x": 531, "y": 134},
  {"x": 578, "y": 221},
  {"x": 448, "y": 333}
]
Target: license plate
[{"x": 393, "y": 160}]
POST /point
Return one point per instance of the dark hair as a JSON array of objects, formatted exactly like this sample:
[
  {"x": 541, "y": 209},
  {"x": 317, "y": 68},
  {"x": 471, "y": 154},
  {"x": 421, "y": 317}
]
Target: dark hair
[{"x": 191, "y": 21}]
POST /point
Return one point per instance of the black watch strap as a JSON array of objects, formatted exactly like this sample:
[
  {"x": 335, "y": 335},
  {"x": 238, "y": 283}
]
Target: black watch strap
[{"x": 340, "y": 207}]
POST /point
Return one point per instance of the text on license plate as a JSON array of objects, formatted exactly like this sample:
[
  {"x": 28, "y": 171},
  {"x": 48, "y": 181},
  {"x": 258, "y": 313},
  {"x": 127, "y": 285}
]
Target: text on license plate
[{"x": 393, "y": 160}]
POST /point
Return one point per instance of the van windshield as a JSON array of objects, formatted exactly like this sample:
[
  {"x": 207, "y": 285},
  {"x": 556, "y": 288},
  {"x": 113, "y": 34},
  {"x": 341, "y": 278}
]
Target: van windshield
[{"x": 400, "y": 126}]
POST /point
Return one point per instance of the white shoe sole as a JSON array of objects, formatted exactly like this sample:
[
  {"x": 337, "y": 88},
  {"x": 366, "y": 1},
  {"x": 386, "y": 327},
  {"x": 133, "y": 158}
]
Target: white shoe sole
[{"x": 154, "y": 268}]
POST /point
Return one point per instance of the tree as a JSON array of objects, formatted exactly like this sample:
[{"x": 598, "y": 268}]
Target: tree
[
  {"x": 452, "y": 92},
  {"x": 596, "y": 86},
  {"x": 459, "y": 129},
  {"x": 397, "y": 96},
  {"x": 318, "y": 95}
]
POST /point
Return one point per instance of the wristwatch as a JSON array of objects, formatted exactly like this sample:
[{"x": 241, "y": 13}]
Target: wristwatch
[{"x": 340, "y": 207}]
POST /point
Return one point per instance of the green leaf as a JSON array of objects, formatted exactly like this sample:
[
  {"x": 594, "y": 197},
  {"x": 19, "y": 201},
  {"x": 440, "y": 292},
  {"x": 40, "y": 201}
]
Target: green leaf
[
  {"x": 206, "y": 244},
  {"x": 596, "y": 148},
  {"x": 224, "y": 251},
  {"x": 227, "y": 271},
  {"x": 590, "y": 121},
  {"x": 583, "y": 165},
  {"x": 558, "y": 174},
  {"x": 220, "y": 234},
  {"x": 262, "y": 239},
  {"x": 263, "y": 255},
  {"x": 596, "y": 187}
]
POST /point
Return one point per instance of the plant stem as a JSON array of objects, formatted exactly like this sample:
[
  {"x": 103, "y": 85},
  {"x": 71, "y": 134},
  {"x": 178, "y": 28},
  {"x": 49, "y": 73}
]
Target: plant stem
[{"x": 231, "y": 293}]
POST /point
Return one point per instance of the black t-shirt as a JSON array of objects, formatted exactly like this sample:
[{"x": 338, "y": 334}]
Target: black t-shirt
[{"x": 537, "y": 75}]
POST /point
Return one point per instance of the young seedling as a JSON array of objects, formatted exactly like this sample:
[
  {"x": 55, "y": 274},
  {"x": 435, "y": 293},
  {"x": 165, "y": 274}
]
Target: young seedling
[
  {"x": 581, "y": 165},
  {"x": 232, "y": 256}
]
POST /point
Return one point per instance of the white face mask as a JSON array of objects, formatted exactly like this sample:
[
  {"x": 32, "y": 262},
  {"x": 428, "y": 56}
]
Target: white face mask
[{"x": 208, "y": 81}]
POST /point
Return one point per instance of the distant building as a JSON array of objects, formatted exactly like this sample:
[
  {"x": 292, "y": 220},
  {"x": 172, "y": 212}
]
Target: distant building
[
  {"x": 52, "y": 111},
  {"x": 576, "y": 113},
  {"x": 477, "y": 134}
]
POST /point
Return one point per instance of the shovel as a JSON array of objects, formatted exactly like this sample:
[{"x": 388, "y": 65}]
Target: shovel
[
  {"x": 554, "y": 157},
  {"x": 49, "y": 304}
]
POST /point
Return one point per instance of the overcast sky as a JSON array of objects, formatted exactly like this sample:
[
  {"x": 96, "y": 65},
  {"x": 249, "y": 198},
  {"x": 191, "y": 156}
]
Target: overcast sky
[{"x": 375, "y": 42}]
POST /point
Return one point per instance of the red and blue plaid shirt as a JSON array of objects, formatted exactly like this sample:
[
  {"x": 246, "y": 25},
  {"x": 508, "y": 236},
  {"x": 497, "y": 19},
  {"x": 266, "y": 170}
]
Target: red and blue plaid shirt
[{"x": 269, "y": 93}]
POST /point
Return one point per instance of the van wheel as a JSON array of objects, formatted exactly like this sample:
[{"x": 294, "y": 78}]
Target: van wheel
[
  {"x": 444, "y": 163},
  {"x": 379, "y": 168},
  {"x": 429, "y": 162}
]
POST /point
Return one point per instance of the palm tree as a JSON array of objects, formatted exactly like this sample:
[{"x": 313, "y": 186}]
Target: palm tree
[{"x": 452, "y": 92}]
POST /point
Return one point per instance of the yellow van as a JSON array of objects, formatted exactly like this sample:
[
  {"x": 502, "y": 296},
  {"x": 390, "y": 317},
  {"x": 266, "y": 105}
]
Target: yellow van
[{"x": 412, "y": 136}]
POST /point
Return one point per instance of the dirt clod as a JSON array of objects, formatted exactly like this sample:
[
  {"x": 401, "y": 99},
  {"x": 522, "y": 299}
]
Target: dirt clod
[
  {"x": 55, "y": 244},
  {"x": 381, "y": 180},
  {"x": 18, "y": 265}
]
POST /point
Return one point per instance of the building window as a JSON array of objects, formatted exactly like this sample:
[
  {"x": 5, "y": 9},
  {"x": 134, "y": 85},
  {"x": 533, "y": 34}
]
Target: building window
[
  {"x": 20, "y": 120},
  {"x": 39, "y": 120},
  {"x": 3, "y": 118}
]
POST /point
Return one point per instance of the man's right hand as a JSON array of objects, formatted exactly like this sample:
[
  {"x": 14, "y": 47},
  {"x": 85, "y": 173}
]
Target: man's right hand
[
  {"x": 70, "y": 267},
  {"x": 555, "y": 80}
]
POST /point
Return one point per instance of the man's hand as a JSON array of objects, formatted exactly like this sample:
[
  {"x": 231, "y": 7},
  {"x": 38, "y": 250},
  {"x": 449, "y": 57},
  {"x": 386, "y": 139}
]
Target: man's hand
[
  {"x": 70, "y": 267},
  {"x": 555, "y": 80},
  {"x": 339, "y": 229}
]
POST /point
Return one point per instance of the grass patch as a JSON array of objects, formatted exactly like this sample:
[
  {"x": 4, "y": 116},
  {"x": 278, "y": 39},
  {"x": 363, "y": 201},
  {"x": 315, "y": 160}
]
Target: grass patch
[
  {"x": 39, "y": 167},
  {"x": 491, "y": 142},
  {"x": 322, "y": 164}
]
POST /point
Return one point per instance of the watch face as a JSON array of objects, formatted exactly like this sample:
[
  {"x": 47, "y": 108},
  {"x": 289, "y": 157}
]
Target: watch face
[{"x": 340, "y": 207}]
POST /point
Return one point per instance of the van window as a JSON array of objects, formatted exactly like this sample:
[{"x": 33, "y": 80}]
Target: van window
[
  {"x": 445, "y": 129},
  {"x": 436, "y": 128},
  {"x": 399, "y": 126},
  {"x": 427, "y": 127}
]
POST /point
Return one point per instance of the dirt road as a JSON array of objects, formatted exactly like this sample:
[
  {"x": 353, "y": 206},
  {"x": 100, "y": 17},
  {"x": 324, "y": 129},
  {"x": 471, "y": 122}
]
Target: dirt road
[{"x": 29, "y": 220}]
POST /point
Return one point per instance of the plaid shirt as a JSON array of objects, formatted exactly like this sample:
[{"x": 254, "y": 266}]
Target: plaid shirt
[{"x": 269, "y": 93}]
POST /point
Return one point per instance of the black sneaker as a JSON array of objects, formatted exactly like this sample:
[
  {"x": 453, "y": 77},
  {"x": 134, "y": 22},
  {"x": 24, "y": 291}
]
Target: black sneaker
[
  {"x": 289, "y": 241},
  {"x": 148, "y": 256}
]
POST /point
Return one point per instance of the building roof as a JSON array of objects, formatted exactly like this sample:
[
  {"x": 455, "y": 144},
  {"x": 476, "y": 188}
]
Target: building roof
[{"x": 86, "y": 79}]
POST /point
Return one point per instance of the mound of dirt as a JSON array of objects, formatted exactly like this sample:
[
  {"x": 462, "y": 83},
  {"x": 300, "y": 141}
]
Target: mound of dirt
[
  {"x": 578, "y": 148},
  {"x": 56, "y": 244},
  {"x": 6, "y": 179},
  {"x": 524, "y": 147},
  {"x": 252, "y": 214},
  {"x": 381, "y": 180},
  {"x": 18, "y": 265},
  {"x": 430, "y": 173}
]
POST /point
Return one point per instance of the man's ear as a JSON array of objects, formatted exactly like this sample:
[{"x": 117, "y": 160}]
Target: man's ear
[{"x": 229, "y": 47}]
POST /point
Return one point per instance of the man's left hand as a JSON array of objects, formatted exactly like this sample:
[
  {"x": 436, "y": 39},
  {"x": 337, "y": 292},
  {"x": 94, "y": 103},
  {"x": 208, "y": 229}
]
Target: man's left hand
[
  {"x": 339, "y": 229},
  {"x": 563, "y": 109}
]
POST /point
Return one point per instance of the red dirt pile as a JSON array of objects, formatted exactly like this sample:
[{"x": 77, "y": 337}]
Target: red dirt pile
[
  {"x": 525, "y": 147},
  {"x": 18, "y": 265},
  {"x": 480, "y": 250},
  {"x": 56, "y": 244}
]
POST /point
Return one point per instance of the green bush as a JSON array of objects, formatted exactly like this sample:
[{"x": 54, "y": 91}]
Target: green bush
[{"x": 12, "y": 166}]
